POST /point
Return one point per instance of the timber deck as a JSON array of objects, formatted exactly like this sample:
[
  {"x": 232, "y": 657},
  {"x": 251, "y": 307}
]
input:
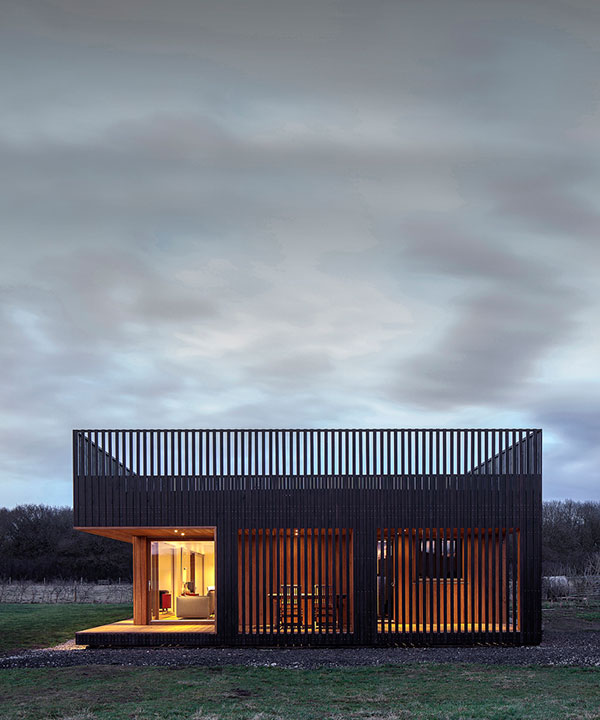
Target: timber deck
[{"x": 126, "y": 633}]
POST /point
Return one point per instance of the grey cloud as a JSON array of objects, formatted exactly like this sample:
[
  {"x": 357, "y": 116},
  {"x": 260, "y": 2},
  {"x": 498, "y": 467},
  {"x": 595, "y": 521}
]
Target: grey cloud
[
  {"x": 288, "y": 371},
  {"x": 518, "y": 311},
  {"x": 489, "y": 354},
  {"x": 546, "y": 198},
  {"x": 311, "y": 214},
  {"x": 436, "y": 247},
  {"x": 93, "y": 299},
  {"x": 354, "y": 39},
  {"x": 571, "y": 422}
]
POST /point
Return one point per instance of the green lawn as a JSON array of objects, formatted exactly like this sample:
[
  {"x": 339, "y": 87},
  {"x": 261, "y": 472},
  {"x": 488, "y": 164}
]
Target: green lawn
[
  {"x": 451, "y": 692},
  {"x": 31, "y": 626}
]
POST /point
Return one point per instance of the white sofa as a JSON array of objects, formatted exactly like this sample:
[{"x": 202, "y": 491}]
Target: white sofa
[{"x": 192, "y": 606}]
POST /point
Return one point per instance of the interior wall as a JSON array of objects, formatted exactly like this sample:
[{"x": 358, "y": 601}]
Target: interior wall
[
  {"x": 165, "y": 569},
  {"x": 209, "y": 570}
]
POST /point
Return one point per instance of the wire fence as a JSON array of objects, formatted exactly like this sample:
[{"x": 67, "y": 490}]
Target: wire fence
[{"x": 22, "y": 591}]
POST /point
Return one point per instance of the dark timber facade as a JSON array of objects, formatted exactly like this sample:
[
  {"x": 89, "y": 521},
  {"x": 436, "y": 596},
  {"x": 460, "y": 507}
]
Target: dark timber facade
[{"x": 319, "y": 537}]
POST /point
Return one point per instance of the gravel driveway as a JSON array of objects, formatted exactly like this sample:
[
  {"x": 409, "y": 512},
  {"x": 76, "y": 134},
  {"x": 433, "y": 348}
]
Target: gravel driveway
[
  {"x": 565, "y": 643},
  {"x": 579, "y": 648}
]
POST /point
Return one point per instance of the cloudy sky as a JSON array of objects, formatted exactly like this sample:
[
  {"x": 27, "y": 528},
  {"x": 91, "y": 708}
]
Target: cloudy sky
[{"x": 298, "y": 214}]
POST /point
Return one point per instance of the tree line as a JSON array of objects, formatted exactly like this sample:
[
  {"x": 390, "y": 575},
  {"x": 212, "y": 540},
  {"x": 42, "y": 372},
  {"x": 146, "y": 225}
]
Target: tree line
[
  {"x": 38, "y": 542},
  {"x": 570, "y": 537}
]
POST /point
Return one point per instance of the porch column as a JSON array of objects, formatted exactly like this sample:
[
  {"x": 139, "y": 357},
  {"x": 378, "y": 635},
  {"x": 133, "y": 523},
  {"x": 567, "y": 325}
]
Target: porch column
[{"x": 141, "y": 577}]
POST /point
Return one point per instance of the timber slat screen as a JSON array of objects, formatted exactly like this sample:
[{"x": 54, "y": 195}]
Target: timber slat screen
[
  {"x": 357, "y": 537},
  {"x": 295, "y": 581}
]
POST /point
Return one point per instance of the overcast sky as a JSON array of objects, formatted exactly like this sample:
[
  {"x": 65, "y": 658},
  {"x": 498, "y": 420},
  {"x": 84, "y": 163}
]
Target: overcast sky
[{"x": 298, "y": 214}]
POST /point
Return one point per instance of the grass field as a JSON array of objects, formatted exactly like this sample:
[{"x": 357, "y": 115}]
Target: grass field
[
  {"x": 440, "y": 692},
  {"x": 451, "y": 692},
  {"x": 31, "y": 626}
]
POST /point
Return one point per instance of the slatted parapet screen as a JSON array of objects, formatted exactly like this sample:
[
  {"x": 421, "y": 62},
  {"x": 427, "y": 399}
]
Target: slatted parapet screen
[{"x": 303, "y": 453}]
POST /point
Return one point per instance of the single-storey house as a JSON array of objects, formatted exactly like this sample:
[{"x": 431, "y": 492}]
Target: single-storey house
[{"x": 319, "y": 537}]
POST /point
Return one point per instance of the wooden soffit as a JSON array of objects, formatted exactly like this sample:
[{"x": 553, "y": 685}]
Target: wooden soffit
[{"x": 156, "y": 533}]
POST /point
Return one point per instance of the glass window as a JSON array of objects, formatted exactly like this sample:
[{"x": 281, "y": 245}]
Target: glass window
[
  {"x": 442, "y": 554},
  {"x": 182, "y": 581}
]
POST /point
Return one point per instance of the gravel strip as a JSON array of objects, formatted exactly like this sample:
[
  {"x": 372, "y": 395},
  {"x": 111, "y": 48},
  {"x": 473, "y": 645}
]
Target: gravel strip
[{"x": 558, "y": 649}]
